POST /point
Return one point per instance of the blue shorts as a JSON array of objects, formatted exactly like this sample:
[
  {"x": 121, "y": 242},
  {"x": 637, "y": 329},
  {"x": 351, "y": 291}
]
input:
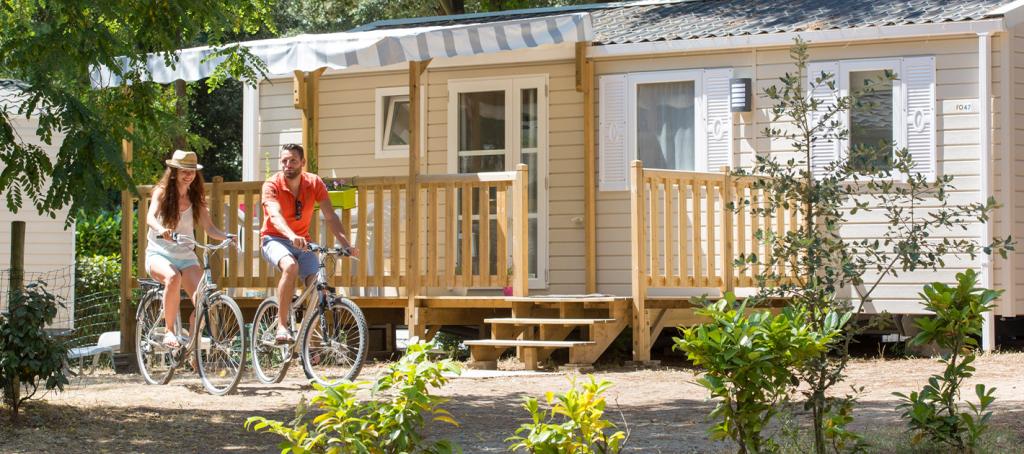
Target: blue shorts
[
  {"x": 152, "y": 258},
  {"x": 276, "y": 248}
]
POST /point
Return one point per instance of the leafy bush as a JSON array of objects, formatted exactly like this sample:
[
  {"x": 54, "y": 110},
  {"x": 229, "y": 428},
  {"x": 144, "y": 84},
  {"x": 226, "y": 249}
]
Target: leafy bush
[
  {"x": 389, "y": 422},
  {"x": 97, "y": 274},
  {"x": 934, "y": 412},
  {"x": 98, "y": 233},
  {"x": 748, "y": 360},
  {"x": 28, "y": 357},
  {"x": 574, "y": 424}
]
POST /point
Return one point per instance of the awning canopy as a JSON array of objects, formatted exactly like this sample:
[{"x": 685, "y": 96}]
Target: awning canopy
[{"x": 374, "y": 48}]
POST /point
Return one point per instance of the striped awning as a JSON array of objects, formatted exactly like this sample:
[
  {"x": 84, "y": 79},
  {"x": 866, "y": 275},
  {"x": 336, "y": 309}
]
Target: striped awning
[{"x": 374, "y": 48}]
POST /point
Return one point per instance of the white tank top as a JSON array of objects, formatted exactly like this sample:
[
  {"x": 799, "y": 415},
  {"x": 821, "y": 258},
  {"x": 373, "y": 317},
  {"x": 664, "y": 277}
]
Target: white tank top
[{"x": 170, "y": 249}]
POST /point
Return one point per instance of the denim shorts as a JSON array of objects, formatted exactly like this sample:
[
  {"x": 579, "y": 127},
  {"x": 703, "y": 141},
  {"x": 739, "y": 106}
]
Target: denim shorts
[
  {"x": 276, "y": 248},
  {"x": 153, "y": 258}
]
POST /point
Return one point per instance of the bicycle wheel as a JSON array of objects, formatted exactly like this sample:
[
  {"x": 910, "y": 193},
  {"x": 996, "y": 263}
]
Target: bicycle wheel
[
  {"x": 269, "y": 360},
  {"x": 154, "y": 359},
  {"x": 334, "y": 342},
  {"x": 220, "y": 353}
]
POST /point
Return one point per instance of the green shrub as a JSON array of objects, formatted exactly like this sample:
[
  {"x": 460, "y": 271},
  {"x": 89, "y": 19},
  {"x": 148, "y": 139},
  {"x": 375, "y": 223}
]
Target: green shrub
[
  {"x": 933, "y": 412},
  {"x": 574, "y": 424},
  {"x": 97, "y": 274},
  {"x": 748, "y": 360},
  {"x": 389, "y": 422},
  {"x": 98, "y": 233},
  {"x": 28, "y": 357}
]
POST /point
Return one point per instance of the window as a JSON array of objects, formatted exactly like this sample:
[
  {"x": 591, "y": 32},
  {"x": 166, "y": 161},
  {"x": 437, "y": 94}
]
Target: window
[
  {"x": 676, "y": 120},
  {"x": 663, "y": 119},
  {"x": 665, "y": 127},
  {"x": 873, "y": 121},
  {"x": 391, "y": 136}
]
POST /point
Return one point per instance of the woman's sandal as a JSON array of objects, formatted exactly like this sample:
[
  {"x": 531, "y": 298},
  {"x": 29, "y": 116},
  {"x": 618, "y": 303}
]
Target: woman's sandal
[
  {"x": 284, "y": 336},
  {"x": 171, "y": 341}
]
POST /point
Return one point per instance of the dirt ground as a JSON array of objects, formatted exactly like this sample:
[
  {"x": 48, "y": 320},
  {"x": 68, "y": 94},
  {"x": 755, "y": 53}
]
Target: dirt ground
[{"x": 663, "y": 408}]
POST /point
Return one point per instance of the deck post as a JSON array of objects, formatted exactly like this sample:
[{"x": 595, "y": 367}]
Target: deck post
[
  {"x": 641, "y": 329},
  {"x": 217, "y": 215},
  {"x": 412, "y": 202},
  {"x": 728, "y": 236},
  {"x": 306, "y": 98},
  {"x": 585, "y": 83},
  {"x": 520, "y": 233}
]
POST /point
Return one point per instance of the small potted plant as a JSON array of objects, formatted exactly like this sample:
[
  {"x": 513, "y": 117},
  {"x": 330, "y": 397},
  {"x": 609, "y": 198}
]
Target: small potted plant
[
  {"x": 342, "y": 192},
  {"x": 508, "y": 288}
]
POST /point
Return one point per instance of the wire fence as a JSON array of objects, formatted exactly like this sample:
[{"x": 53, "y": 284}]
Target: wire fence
[{"x": 60, "y": 282}]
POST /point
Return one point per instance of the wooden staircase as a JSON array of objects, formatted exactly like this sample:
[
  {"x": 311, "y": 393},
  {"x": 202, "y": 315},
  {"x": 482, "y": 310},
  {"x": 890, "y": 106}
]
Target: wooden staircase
[{"x": 539, "y": 325}]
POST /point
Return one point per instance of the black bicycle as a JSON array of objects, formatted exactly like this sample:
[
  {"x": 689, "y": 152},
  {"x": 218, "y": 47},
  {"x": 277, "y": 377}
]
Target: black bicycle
[{"x": 217, "y": 345}]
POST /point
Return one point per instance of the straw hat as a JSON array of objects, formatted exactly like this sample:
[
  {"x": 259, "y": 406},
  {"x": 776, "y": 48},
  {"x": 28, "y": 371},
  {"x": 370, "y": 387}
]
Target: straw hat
[{"x": 184, "y": 160}]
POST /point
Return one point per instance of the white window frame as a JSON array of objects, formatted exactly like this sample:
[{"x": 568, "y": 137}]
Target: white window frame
[
  {"x": 382, "y": 122},
  {"x": 513, "y": 152},
  {"x": 699, "y": 116},
  {"x": 898, "y": 98}
]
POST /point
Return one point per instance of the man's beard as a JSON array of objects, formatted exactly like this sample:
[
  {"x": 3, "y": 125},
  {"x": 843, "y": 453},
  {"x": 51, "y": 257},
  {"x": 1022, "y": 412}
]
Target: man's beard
[{"x": 292, "y": 173}]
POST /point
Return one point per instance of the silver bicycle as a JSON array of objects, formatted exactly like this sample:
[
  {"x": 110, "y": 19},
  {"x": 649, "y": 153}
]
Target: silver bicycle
[
  {"x": 217, "y": 341},
  {"x": 333, "y": 337}
]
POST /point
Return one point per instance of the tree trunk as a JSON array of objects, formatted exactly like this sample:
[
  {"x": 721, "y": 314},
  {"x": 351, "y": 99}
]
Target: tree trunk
[
  {"x": 819, "y": 426},
  {"x": 181, "y": 98}
]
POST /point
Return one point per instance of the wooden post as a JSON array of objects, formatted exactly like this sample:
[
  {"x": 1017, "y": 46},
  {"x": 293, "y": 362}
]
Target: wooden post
[
  {"x": 17, "y": 282},
  {"x": 17, "y": 255},
  {"x": 217, "y": 215},
  {"x": 641, "y": 330},
  {"x": 520, "y": 233},
  {"x": 585, "y": 83},
  {"x": 412, "y": 203},
  {"x": 728, "y": 236},
  {"x": 127, "y": 315},
  {"x": 306, "y": 98}
]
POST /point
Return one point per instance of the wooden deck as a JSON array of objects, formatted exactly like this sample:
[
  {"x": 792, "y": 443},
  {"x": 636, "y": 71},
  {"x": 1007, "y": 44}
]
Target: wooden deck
[{"x": 684, "y": 236}]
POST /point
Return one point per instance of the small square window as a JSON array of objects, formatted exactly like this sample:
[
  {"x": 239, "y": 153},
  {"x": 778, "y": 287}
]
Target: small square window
[
  {"x": 396, "y": 131},
  {"x": 391, "y": 133}
]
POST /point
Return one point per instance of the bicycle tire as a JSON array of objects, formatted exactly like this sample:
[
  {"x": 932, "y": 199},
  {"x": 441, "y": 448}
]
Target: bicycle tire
[
  {"x": 149, "y": 341},
  {"x": 270, "y": 361},
  {"x": 343, "y": 357},
  {"x": 222, "y": 363}
]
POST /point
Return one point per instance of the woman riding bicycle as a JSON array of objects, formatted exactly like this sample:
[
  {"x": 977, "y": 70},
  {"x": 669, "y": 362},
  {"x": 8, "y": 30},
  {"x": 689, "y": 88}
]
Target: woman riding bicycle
[{"x": 178, "y": 203}]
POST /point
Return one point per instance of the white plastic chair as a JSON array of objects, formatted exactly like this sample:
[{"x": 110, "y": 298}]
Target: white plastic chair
[{"x": 109, "y": 343}]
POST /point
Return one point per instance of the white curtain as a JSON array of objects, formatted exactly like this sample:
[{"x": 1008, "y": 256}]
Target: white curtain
[{"x": 665, "y": 125}]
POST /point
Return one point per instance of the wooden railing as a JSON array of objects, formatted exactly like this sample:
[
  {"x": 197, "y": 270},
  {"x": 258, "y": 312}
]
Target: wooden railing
[
  {"x": 455, "y": 233},
  {"x": 686, "y": 235}
]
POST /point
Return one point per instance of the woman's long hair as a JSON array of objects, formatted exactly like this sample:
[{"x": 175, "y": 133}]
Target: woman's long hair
[{"x": 169, "y": 211}]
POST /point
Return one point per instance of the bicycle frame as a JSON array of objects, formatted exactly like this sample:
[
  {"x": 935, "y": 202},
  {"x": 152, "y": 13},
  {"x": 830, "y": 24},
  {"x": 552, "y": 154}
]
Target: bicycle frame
[
  {"x": 308, "y": 298},
  {"x": 206, "y": 290}
]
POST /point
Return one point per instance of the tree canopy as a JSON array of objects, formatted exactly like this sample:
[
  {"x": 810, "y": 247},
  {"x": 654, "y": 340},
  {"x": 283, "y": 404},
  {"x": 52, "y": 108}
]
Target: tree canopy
[{"x": 51, "y": 46}]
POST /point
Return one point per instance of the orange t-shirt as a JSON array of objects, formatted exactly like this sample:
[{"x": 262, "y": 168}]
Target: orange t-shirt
[{"x": 311, "y": 190}]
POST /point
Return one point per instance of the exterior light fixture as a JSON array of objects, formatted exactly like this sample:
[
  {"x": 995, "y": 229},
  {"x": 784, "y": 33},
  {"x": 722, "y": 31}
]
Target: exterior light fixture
[{"x": 739, "y": 95}]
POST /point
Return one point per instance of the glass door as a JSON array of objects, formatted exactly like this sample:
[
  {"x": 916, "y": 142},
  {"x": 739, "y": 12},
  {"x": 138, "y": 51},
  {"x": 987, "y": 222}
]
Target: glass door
[{"x": 499, "y": 123}]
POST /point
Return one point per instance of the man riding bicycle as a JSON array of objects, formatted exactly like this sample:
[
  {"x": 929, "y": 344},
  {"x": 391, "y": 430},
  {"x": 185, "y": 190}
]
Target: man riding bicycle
[{"x": 288, "y": 200}]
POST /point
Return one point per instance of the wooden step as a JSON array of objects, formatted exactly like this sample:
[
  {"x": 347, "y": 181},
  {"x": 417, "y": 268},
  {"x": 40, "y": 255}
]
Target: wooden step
[
  {"x": 524, "y": 343},
  {"x": 548, "y": 321},
  {"x": 561, "y": 299}
]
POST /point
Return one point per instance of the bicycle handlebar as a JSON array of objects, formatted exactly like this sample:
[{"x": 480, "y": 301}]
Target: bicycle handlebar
[
  {"x": 185, "y": 239},
  {"x": 336, "y": 250}
]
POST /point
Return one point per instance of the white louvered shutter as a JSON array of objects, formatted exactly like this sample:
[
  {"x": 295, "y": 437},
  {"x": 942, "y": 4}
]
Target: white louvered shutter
[
  {"x": 614, "y": 164},
  {"x": 718, "y": 119},
  {"x": 823, "y": 152},
  {"x": 919, "y": 79}
]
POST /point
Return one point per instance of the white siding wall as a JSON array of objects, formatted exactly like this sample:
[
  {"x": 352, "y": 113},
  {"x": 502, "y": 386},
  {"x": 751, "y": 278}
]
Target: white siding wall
[
  {"x": 957, "y": 138},
  {"x": 49, "y": 247}
]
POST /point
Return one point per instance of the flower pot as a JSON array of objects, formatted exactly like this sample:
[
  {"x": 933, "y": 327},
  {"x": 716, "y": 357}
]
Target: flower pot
[{"x": 344, "y": 199}]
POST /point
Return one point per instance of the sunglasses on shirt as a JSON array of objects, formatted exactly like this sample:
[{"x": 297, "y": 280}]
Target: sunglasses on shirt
[{"x": 298, "y": 209}]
